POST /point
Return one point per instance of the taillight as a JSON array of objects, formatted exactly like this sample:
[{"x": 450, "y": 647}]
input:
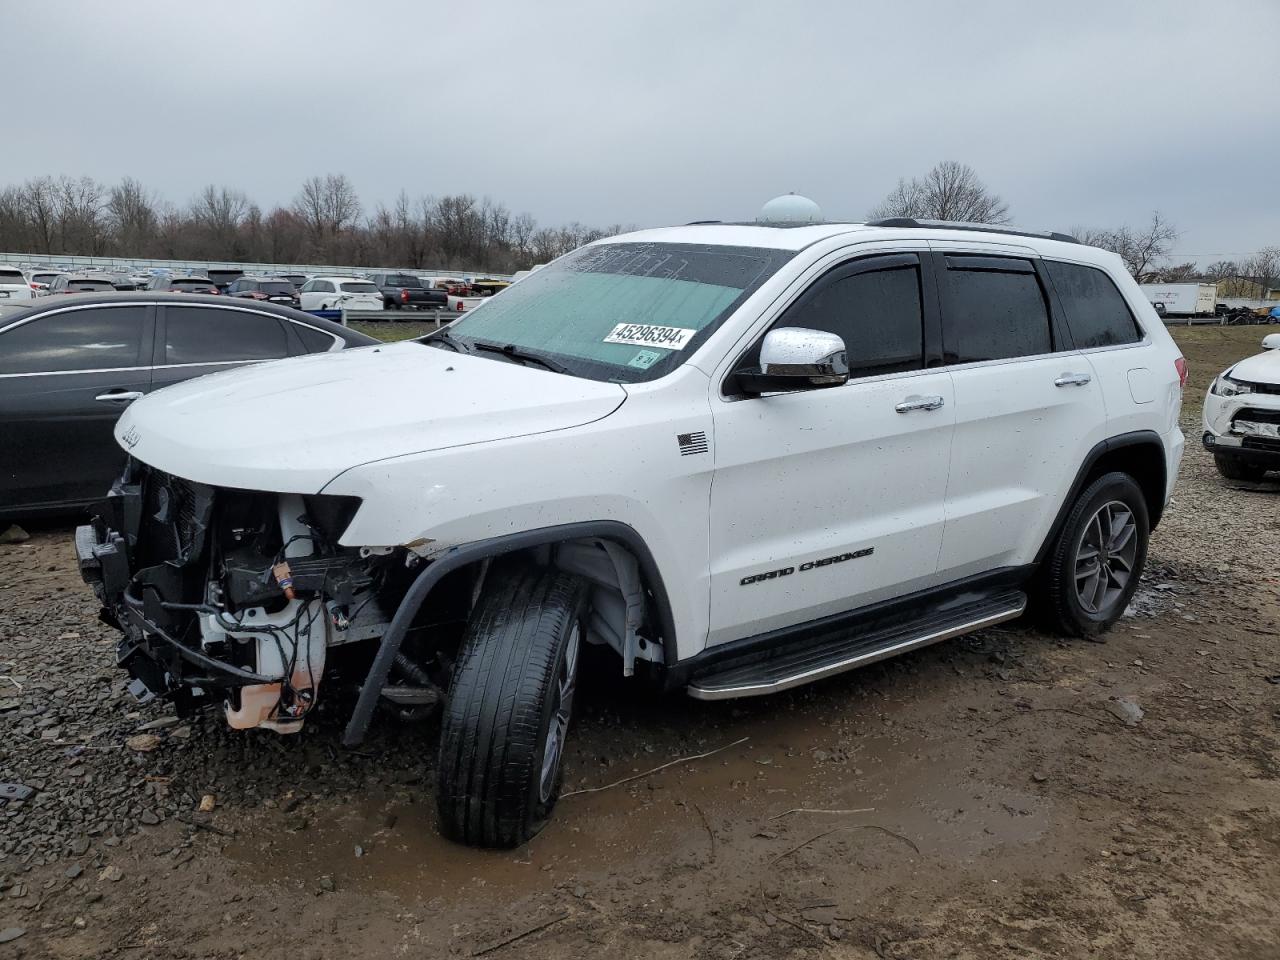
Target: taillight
[
  {"x": 404, "y": 295},
  {"x": 1181, "y": 366}
]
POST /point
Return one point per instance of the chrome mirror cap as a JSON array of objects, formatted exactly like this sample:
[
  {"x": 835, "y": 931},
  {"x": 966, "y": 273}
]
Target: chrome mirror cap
[{"x": 813, "y": 356}]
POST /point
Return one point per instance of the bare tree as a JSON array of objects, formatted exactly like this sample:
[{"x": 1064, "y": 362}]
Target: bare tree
[
  {"x": 1221, "y": 270},
  {"x": 950, "y": 191},
  {"x": 78, "y": 212},
  {"x": 327, "y": 206},
  {"x": 131, "y": 213},
  {"x": 1263, "y": 268},
  {"x": 1142, "y": 250}
]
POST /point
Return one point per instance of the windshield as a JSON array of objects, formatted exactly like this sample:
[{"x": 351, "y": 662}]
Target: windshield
[{"x": 622, "y": 311}]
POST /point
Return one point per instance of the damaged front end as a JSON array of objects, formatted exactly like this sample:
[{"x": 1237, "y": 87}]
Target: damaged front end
[{"x": 242, "y": 598}]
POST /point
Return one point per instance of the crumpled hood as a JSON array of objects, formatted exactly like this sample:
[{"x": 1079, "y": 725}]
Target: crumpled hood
[
  {"x": 293, "y": 425},
  {"x": 1264, "y": 368}
]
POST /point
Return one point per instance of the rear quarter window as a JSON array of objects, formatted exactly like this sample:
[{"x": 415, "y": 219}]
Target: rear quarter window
[
  {"x": 1096, "y": 312},
  {"x": 313, "y": 340}
]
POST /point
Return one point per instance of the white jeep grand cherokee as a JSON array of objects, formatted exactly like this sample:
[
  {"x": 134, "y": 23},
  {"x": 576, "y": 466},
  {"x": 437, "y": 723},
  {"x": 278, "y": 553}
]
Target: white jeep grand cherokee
[
  {"x": 1242, "y": 415},
  {"x": 742, "y": 456}
]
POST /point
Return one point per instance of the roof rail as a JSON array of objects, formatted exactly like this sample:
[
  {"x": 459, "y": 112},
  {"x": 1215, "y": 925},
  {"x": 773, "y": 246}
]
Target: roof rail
[
  {"x": 702, "y": 223},
  {"x": 961, "y": 225}
]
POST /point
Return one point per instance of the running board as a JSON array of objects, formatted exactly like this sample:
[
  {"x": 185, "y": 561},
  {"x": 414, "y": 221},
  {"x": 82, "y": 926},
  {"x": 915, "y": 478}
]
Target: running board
[{"x": 836, "y": 652}]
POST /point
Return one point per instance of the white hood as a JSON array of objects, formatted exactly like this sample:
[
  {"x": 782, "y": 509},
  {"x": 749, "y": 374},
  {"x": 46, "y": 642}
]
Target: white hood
[
  {"x": 293, "y": 425},
  {"x": 1264, "y": 368}
]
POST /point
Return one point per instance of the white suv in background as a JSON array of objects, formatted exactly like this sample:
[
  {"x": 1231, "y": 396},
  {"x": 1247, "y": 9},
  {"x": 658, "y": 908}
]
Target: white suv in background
[
  {"x": 1242, "y": 415},
  {"x": 339, "y": 293},
  {"x": 741, "y": 456},
  {"x": 14, "y": 284}
]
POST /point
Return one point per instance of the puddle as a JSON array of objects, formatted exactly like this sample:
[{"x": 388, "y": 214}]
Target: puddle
[{"x": 798, "y": 755}]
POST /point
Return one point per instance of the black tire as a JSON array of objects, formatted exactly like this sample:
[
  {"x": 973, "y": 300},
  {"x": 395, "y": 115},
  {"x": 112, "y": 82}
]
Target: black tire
[
  {"x": 1058, "y": 592},
  {"x": 491, "y": 786},
  {"x": 1234, "y": 469}
]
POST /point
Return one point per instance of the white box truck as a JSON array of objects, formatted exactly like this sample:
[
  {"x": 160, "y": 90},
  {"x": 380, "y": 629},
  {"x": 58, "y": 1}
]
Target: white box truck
[{"x": 1182, "y": 299}]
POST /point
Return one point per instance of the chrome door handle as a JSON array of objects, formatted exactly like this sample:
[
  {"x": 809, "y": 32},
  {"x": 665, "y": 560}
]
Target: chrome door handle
[
  {"x": 1072, "y": 380},
  {"x": 917, "y": 402},
  {"x": 119, "y": 396}
]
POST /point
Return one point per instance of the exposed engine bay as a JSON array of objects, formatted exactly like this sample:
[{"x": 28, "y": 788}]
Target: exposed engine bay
[{"x": 247, "y": 598}]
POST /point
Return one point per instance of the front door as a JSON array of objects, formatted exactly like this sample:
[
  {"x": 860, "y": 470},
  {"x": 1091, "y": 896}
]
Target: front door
[{"x": 826, "y": 500}]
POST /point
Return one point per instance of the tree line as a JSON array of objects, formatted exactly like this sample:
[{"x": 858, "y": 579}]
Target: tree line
[
  {"x": 325, "y": 223},
  {"x": 953, "y": 191}
]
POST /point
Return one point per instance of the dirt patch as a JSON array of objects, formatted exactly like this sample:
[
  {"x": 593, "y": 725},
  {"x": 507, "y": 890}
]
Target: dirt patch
[{"x": 1002, "y": 806}]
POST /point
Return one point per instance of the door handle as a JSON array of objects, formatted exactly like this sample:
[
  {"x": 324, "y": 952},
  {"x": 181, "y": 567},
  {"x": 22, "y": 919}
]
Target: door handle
[
  {"x": 119, "y": 396},
  {"x": 917, "y": 402},
  {"x": 1072, "y": 380}
]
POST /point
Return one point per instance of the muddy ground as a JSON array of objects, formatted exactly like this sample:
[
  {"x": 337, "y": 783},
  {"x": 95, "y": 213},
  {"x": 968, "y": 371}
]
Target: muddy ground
[{"x": 981, "y": 798}]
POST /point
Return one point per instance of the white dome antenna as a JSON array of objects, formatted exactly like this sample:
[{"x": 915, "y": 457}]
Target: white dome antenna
[{"x": 788, "y": 210}]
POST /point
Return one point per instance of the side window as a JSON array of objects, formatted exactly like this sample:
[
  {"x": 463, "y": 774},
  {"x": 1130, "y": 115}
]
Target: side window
[
  {"x": 326, "y": 286},
  {"x": 315, "y": 341},
  {"x": 307, "y": 287},
  {"x": 1096, "y": 311},
  {"x": 101, "y": 339},
  {"x": 218, "y": 334},
  {"x": 877, "y": 312},
  {"x": 993, "y": 309}
]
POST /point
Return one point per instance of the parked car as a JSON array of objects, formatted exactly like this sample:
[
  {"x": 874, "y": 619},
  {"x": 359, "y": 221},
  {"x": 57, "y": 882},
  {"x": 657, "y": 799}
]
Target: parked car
[
  {"x": 800, "y": 450},
  {"x": 80, "y": 283},
  {"x": 166, "y": 283},
  {"x": 14, "y": 285},
  {"x": 402, "y": 290},
  {"x": 39, "y": 281},
  {"x": 70, "y": 365},
  {"x": 271, "y": 289},
  {"x": 1242, "y": 415},
  {"x": 340, "y": 293}
]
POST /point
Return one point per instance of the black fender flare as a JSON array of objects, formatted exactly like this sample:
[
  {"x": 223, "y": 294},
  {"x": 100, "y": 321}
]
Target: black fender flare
[
  {"x": 1137, "y": 438},
  {"x": 470, "y": 553}
]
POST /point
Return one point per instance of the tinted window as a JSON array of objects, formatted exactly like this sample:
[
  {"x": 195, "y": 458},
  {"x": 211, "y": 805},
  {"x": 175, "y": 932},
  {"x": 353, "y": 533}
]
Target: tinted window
[
  {"x": 315, "y": 341},
  {"x": 276, "y": 288},
  {"x": 12, "y": 276},
  {"x": 212, "y": 334},
  {"x": 876, "y": 313},
  {"x": 993, "y": 315},
  {"x": 83, "y": 286},
  {"x": 191, "y": 286},
  {"x": 76, "y": 340},
  {"x": 1096, "y": 311},
  {"x": 358, "y": 286}
]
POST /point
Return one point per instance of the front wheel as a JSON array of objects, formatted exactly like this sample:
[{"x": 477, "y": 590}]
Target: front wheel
[
  {"x": 1093, "y": 567},
  {"x": 510, "y": 703}
]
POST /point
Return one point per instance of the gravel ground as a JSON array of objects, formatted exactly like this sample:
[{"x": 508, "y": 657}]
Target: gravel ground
[{"x": 997, "y": 796}]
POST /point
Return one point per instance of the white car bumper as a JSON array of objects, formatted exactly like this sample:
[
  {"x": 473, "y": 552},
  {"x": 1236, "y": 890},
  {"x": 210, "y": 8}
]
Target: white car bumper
[{"x": 1246, "y": 426}]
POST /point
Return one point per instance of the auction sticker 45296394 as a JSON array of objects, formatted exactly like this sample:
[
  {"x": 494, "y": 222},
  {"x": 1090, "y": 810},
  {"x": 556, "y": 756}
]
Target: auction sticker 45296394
[{"x": 646, "y": 335}]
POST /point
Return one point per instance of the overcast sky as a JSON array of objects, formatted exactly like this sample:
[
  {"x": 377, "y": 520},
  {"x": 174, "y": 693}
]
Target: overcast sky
[{"x": 1079, "y": 114}]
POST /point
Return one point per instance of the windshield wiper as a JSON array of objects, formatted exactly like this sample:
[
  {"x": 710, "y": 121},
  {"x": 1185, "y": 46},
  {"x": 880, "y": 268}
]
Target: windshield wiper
[
  {"x": 521, "y": 355},
  {"x": 445, "y": 338}
]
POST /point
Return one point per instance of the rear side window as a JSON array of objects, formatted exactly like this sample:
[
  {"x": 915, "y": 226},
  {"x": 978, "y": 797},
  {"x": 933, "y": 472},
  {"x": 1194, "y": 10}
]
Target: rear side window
[
  {"x": 313, "y": 340},
  {"x": 102, "y": 339},
  {"x": 218, "y": 334},
  {"x": 1096, "y": 311},
  {"x": 993, "y": 309},
  {"x": 876, "y": 312}
]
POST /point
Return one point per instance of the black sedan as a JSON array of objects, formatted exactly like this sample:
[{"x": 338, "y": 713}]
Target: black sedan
[{"x": 69, "y": 366}]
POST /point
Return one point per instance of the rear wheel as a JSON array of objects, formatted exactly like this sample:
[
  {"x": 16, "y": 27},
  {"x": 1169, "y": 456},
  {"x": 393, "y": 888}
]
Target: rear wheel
[
  {"x": 1234, "y": 469},
  {"x": 1093, "y": 567},
  {"x": 510, "y": 705}
]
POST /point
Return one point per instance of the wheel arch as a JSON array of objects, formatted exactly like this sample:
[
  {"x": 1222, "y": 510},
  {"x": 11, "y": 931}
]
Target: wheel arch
[
  {"x": 1139, "y": 454},
  {"x": 465, "y": 555}
]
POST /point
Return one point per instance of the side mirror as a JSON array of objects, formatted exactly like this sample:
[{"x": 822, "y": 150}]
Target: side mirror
[
  {"x": 794, "y": 358},
  {"x": 1271, "y": 341}
]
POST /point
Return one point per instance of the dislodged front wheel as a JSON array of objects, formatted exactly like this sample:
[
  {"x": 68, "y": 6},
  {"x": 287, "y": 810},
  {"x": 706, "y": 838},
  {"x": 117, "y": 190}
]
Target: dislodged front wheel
[{"x": 510, "y": 705}]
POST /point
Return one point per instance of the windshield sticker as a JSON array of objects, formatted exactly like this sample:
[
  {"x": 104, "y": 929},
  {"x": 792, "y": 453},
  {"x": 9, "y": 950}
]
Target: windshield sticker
[
  {"x": 644, "y": 359},
  {"x": 644, "y": 335}
]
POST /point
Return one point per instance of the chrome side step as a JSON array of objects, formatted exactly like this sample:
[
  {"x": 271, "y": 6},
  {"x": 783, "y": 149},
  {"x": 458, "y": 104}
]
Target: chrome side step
[{"x": 792, "y": 668}]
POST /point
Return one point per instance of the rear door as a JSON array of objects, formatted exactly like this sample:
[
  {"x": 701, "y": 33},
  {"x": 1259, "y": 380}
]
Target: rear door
[
  {"x": 195, "y": 339},
  {"x": 65, "y": 377},
  {"x": 1027, "y": 407}
]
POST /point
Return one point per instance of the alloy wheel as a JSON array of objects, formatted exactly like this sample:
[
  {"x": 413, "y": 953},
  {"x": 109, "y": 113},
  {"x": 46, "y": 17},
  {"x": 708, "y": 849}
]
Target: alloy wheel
[{"x": 1105, "y": 557}]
